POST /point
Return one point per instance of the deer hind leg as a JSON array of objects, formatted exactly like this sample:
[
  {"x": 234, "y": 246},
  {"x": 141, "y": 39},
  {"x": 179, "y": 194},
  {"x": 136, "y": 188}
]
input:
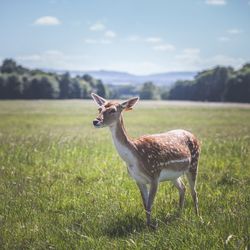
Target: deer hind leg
[
  {"x": 182, "y": 189},
  {"x": 192, "y": 176}
]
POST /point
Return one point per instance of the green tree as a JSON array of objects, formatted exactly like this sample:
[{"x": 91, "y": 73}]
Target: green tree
[
  {"x": 238, "y": 89},
  {"x": 211, "y": 84},
  {"x": 13, "y": 87},
  {"x": 100, "y": 89},
  {"x": 149, "y": 91},
  {"x": 8, "y": 66},
  {"x": 2, "y": 87},
  {"x": 65, "y": 82},
  {"x": 182, "y": 90},
  {"x": 41, "y": 88},
  {"x": 48, "y": 88}
]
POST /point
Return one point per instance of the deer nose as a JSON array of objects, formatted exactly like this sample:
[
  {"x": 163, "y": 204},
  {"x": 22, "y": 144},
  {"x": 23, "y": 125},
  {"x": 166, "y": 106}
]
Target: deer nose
[{"x": 95, "y": 122}]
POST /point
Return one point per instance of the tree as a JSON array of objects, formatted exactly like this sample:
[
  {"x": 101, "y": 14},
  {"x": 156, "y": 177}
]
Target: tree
[
  {"x": 2, "y": 87},
  {"x": 211, "y": 84},
  {"x": 182, "y": 90},
  {"x": 101, "y": 90},
  {"x": 238, "y": 89},
  {"x": 65, "y": 86},
  {"x": 149, "y": 91},
  {"x": 8, "y": 66},
  {"x": 90, "y": 80},
  {"x": 13, "y": 87},
  {"x": 19, "y": 82},
  {"x": 48, "y": 88},
  {"x": 165, "y": 95},
  {"x": 208, "y": 85},
  {"x": 41, "y": 88}
]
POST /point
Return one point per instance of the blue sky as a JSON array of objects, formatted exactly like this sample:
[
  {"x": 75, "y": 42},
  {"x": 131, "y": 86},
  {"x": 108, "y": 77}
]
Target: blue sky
[{"x": 137, "y": 36}]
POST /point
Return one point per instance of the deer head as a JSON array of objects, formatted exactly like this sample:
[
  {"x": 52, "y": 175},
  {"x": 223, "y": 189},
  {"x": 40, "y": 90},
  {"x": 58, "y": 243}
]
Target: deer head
[{"x": 110, "y": 111}]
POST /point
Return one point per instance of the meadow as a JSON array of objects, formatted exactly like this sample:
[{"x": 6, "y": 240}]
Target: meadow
[{"x": 63, "y": 185}]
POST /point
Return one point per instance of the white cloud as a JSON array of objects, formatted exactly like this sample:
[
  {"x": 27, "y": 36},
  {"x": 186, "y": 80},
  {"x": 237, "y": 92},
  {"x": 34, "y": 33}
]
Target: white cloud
[
  {"x": 54, "y": 59},
  {"x": 230, "y": 33},
  {"x": 164, "y": 47},
  {"x": 110, "y": 34},
  {"x": 156, "y": 43},
  {"x": 191, "y": 59},
  {"x": 216, "y": 2},
  {"x": 234, "y": 31},
  {"x": 47, "y": 21},
  {"x": 29, "y": 58},
  {"x": 223, "y": 60},
  {"x": 223, "y": 39},
  {"x": 97, "y": 27},
  {"x": 153, "y": 40}
]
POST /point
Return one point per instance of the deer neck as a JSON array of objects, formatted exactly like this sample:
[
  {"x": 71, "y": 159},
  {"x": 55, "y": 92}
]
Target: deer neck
[{"x": 123, "y": 144}]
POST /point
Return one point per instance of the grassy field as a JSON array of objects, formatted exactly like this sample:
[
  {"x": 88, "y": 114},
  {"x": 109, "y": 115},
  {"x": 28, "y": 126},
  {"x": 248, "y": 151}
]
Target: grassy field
[{"x": 63, "y": 186}]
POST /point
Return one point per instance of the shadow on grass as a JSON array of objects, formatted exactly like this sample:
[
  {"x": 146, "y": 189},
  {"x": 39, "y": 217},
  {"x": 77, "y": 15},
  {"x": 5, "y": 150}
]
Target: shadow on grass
[
  {"x": 128, "y": 224},
  {"x": 123, "y": 226}
]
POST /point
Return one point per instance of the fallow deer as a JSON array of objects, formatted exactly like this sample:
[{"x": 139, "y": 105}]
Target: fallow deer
[{"x": 151, "y": 159}]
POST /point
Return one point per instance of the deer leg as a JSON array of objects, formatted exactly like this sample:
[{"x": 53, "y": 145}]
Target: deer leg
[
  {"x": 192, "y": 180},
  {"x": 144, "y": 193},
  {"x": 152, "y": 193},
  {"x": 182, "y": 189}
]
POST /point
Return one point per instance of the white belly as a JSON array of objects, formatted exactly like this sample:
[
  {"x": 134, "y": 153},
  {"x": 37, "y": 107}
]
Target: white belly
[{"x": 167, "y": 175}]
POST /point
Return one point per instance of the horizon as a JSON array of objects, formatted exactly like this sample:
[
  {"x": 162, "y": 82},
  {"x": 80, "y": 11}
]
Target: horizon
[
  {"x": 139, "y": 38},
  {"x": 122, "y": 72},
  {"x": 114, "y": 71}
]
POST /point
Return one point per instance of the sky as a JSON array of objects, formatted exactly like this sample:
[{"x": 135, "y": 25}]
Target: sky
[{"x": 136, "y": 36}]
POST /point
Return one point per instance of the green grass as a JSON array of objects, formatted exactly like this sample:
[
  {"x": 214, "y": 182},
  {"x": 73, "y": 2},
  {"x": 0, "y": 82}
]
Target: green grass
[{"x": 63, "y": 186}]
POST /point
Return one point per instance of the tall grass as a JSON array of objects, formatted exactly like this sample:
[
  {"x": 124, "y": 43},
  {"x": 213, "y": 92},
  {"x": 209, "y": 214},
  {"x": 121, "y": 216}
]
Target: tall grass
[{"x": 63, "y": 186}]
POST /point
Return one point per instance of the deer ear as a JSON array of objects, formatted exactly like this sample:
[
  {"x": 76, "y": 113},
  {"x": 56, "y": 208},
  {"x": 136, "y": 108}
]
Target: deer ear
[
  {"x": 129, "y": 104},
  {"x": 97, "y": 99}
]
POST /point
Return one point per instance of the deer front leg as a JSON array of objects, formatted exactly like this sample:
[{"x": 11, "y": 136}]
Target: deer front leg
[
  {"x": 144, "y": 193},
  {"x": 151, "y": 197}
]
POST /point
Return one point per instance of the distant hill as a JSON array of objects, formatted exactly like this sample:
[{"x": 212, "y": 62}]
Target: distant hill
[{"x": 121, "y": 78}]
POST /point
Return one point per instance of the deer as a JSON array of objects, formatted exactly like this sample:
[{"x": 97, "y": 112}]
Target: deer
[{"x": 151, "y": 159}]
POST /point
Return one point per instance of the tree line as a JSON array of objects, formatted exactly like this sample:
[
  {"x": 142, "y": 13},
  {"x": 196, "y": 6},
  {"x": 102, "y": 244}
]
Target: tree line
[
  {"x": 17, "y": 82},
  {"x": 220, "y": 84}
]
